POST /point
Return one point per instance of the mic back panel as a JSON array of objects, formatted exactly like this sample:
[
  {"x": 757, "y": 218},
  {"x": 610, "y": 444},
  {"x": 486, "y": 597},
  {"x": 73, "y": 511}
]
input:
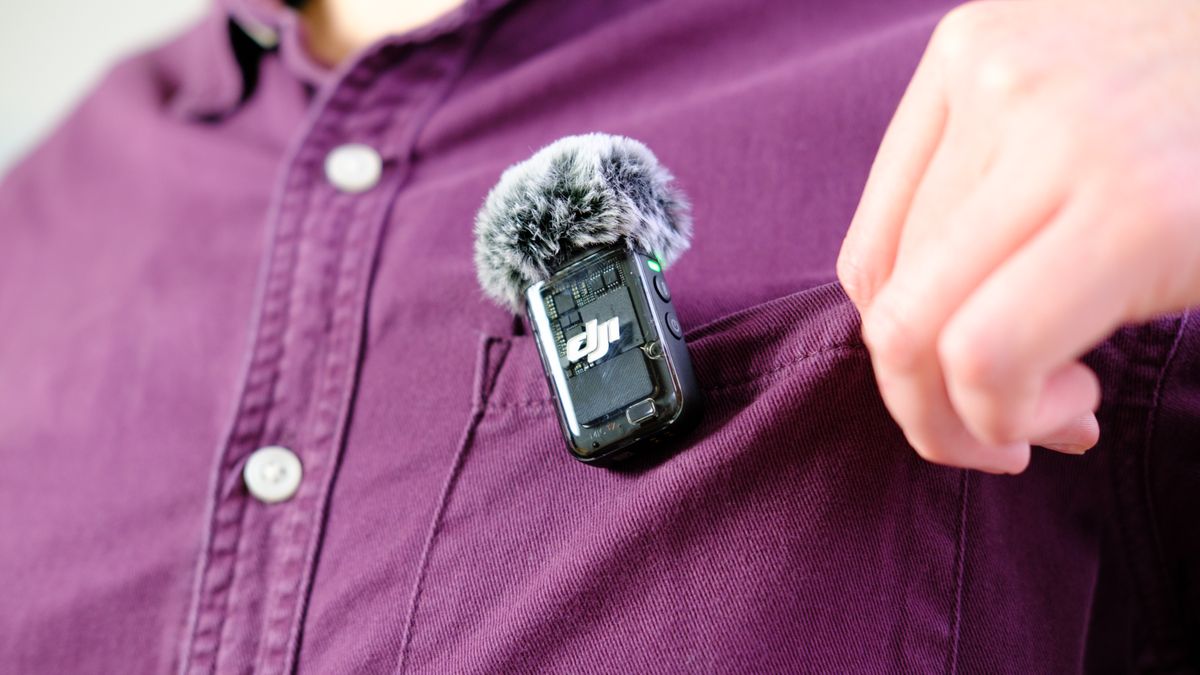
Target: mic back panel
[
  {"x": 612, "y": 367},
  {"x": 592, "y": 297}
]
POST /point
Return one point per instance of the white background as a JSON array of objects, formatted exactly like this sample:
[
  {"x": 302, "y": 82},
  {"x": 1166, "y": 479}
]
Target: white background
[{"x": 52, "y": 51}]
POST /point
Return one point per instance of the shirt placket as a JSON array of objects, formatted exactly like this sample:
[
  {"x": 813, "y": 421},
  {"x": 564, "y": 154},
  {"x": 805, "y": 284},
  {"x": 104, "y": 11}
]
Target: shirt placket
[{"x": 257, "y": 560}]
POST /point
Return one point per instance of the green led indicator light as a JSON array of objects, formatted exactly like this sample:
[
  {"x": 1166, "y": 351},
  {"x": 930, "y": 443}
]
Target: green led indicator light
[{"x": 653, "y": 264}]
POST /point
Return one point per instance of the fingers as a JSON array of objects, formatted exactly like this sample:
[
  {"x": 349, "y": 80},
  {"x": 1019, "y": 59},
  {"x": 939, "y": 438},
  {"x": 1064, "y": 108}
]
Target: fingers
[
  {"x": 966, "y": 244},
  {"x": 971, "y": 234},
  {"x": 938, "y": 273},
  {"x": 1003, "y": 344},
  {"x": 1075, "y": 437},
  {"x": 917, "y": 398},
  {"x": 869, "y": 247},
  {"x": 981, "y": 285},
  {"x": 949, "y": 244},
  {"x": 1058, "y": 423}
]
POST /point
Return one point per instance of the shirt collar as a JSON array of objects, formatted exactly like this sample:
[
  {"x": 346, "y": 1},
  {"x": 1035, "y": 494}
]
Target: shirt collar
[{"x": 228, "y": 44}]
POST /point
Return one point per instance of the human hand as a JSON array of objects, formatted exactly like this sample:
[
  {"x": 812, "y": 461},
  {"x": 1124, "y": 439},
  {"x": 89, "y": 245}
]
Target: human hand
[{"x": 1036, "y": 189}]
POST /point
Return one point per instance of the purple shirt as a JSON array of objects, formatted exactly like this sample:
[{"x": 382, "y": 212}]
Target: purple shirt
[{"x": 182, "y": 282}]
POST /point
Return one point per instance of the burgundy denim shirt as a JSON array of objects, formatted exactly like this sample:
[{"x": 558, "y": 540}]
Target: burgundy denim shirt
[{"x": 182, "y": 283}]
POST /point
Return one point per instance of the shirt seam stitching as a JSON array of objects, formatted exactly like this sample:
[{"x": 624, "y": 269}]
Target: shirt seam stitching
[
  {"x": 1152, "y": 423},
  {"x": 754, "y": 379},
  {"x": 959, "y": 571},
  {"x": 438, "y": 94},
  {"x": 482, "y": 386},
  {"x": 269, "y": 650},
  {"x": 265, "y": 330}
]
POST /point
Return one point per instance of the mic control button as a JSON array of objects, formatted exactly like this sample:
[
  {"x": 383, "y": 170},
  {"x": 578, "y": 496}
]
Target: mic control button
[
  {"x": 660, "y": 285},
  {"x": 673, "y": 326},
  {"x": 640, "y": 412}
]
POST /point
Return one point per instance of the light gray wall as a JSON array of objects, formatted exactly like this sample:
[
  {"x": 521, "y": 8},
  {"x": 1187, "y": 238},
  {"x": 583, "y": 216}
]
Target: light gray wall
[{"x": 52, "y": 51}]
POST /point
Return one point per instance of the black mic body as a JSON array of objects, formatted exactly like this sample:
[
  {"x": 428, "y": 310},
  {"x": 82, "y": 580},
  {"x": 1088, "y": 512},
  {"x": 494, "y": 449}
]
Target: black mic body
[{"x": 579, "y": 236}]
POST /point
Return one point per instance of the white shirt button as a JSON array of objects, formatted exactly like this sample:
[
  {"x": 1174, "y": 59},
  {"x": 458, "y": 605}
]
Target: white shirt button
[
  {"x": 353, "y": 167},
  {"x": 272, "y": 474}
]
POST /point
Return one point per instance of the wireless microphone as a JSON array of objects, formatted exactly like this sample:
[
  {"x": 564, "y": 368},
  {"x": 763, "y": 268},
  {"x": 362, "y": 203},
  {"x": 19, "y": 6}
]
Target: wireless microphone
[{"x": 580, "y": 234}]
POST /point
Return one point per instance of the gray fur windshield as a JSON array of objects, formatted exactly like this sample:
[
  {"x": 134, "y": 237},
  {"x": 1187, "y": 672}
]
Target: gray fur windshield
[{"x": 576, "y": 194}]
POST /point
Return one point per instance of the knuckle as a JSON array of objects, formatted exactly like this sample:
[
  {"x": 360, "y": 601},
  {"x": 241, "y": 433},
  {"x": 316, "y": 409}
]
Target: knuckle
[
  {"x": 961, "y": 30},
  {"x": 953, "y": 32},
  {"x": 973, "y": 370},
  {"x": 889, "y": 337},
  {"x": 1005, "y": 75},
  {"x": 970, "y": 39},
  {"x": 967, "y": 360},
  {"x": 858, "y": 283}
]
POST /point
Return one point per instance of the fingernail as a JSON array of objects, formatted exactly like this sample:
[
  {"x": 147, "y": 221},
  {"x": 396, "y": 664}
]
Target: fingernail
[
  {"x": 1068, "y": 448},
  {"x": 1074, "y": 438}
]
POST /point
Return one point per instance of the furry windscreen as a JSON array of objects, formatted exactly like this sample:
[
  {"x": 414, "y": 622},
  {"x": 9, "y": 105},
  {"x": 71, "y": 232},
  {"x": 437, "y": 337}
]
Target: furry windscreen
[{"x": 577, "y": 193}]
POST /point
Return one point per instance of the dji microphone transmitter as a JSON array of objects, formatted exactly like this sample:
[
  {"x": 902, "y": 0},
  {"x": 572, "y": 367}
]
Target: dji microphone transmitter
[
  {"x": 579, "y": 235},
  {"x": 613, "y": 352}
]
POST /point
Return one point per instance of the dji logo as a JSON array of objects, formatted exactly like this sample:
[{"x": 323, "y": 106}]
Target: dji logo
[{"x": 593, "y": 342}]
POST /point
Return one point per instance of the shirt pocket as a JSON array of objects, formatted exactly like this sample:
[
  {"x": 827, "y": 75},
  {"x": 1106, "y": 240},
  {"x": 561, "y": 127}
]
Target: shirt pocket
[{"x": 793, "y": 530}]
